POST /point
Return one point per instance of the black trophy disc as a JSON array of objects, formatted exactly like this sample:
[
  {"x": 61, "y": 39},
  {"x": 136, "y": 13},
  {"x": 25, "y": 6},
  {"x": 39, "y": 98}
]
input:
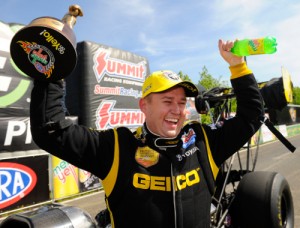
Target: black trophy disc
[{"x": 45, "y": 49}]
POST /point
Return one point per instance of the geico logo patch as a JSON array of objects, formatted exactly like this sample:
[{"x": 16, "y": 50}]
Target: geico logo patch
[{"x": 161, "y": 183}]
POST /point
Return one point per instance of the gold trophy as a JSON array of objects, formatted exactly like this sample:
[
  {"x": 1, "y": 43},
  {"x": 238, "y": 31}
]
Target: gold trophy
[{"x": 46, "y": 48}]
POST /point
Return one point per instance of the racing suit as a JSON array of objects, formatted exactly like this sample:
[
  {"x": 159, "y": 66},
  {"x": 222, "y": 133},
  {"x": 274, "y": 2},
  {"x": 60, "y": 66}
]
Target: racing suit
[{"x": 150, "y": 181}]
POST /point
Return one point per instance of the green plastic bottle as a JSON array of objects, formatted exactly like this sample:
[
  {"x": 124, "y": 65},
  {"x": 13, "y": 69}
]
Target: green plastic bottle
[{"x": 246, "y": 47}]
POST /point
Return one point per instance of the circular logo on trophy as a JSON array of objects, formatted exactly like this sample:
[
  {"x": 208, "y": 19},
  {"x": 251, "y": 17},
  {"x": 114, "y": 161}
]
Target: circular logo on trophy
[{"x": 40, "y": 57}]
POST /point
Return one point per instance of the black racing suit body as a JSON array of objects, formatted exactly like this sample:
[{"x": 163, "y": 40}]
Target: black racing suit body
[{"x": 149, "y": 181}]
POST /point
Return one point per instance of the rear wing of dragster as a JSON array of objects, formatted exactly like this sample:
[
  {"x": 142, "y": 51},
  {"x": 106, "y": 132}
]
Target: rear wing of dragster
[{"x": 276, "y": 93}]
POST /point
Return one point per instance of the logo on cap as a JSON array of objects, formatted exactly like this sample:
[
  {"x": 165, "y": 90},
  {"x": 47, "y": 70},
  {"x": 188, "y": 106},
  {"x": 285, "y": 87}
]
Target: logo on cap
[
  {"x": 189, "y": 87},
  {"x": 171, "y": 75}
]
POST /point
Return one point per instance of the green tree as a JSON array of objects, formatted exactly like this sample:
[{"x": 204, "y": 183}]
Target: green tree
[
  {"x": 209, "y": 82},
  {"x": 296, "y": 95},
  {"x": 184, "y": 77},
  {"x": 205, "y": 83}
]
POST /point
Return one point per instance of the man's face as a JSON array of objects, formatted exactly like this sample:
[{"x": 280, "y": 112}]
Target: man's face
[{"x": 165, "y": 112}]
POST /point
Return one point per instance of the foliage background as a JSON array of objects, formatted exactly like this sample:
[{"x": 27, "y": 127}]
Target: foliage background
[{"x": 207, "y": 81}]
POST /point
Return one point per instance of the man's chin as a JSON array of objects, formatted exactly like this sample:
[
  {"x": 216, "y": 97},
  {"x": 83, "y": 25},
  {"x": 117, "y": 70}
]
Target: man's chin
[{"x": 171, "y": 134}]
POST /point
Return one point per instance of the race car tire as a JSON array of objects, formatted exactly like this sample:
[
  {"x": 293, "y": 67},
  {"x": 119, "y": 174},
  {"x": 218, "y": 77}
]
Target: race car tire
[{"x": 263, "y": 199}]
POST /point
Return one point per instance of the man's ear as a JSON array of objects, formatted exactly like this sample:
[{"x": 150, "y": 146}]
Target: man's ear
[{"x": 142, "y": 105}]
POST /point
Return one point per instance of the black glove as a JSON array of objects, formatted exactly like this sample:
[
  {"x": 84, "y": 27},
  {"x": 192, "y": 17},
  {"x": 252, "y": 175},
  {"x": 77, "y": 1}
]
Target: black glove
[{"x": 46, "y": 103}]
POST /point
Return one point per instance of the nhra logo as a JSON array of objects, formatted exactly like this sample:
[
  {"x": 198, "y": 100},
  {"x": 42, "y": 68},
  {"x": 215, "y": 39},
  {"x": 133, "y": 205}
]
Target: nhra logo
[
  {"x": 16, "y": 182},
  {"x": 108, "y": 117},
  {"x": 39, "y": 56},
  {"x": 106, "y": 65}
]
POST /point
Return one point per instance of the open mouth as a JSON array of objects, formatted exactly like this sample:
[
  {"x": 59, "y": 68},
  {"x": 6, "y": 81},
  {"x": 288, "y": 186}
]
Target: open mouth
[{"x": 172, "y": 121}]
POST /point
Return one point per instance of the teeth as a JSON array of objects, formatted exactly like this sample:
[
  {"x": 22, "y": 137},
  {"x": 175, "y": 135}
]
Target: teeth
[{"x": 172, "y": 120}]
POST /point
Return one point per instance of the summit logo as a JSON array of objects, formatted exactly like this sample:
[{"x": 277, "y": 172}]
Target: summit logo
[
  {"x": 104, "y": 64},
  {"x": 107, "y": 116}
]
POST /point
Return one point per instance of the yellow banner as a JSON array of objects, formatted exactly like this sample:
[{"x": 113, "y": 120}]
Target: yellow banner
[{"x": 65, "y": 178}]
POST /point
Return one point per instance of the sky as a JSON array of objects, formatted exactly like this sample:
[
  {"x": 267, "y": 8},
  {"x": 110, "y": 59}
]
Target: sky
[{"x": 180, "y": 35}]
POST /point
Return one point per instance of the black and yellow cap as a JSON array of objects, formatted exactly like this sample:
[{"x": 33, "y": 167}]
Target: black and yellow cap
[{"x": 160, "y": 81}]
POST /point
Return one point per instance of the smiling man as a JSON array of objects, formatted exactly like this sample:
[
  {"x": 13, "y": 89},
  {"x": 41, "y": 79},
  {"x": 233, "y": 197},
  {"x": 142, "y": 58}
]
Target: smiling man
[
  {"x": 164, "y": 102},
  {"x": 163, "y": 174}
]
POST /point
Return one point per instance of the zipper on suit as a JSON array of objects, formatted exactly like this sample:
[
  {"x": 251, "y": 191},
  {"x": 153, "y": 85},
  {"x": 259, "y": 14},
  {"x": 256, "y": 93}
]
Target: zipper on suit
[{"x": 174, "y": 199}]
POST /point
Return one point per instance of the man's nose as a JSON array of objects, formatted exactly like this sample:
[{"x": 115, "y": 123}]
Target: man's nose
[{"x": 176, "y": 108}]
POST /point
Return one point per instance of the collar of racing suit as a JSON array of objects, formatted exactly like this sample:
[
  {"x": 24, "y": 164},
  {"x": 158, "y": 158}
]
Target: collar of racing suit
[{"x": 165, "y": 146}]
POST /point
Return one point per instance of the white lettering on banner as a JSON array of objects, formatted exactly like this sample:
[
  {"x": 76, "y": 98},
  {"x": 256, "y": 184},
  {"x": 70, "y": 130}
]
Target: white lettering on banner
[
  {"x": 4, "y": 44},
  {"x": 89, "y": 181},
  {"x": 128, "y": 82},
  {"x": 4, "y": 175},
  {"x": 2, "y": 63},
  {"x": 16, "y": 181},
  {"x": 116, "y": 80},
  {"x": 17, "y": 184},
  {"x": 5, "y": 82},
  {"x": 17, "y": 128}
]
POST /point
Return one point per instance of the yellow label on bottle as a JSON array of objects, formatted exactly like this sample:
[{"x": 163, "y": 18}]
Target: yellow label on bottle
[{"x": 256, "y": 46}]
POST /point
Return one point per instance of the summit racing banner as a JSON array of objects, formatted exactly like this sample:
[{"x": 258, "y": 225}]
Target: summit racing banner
[{"x": 108, "y": 84}]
